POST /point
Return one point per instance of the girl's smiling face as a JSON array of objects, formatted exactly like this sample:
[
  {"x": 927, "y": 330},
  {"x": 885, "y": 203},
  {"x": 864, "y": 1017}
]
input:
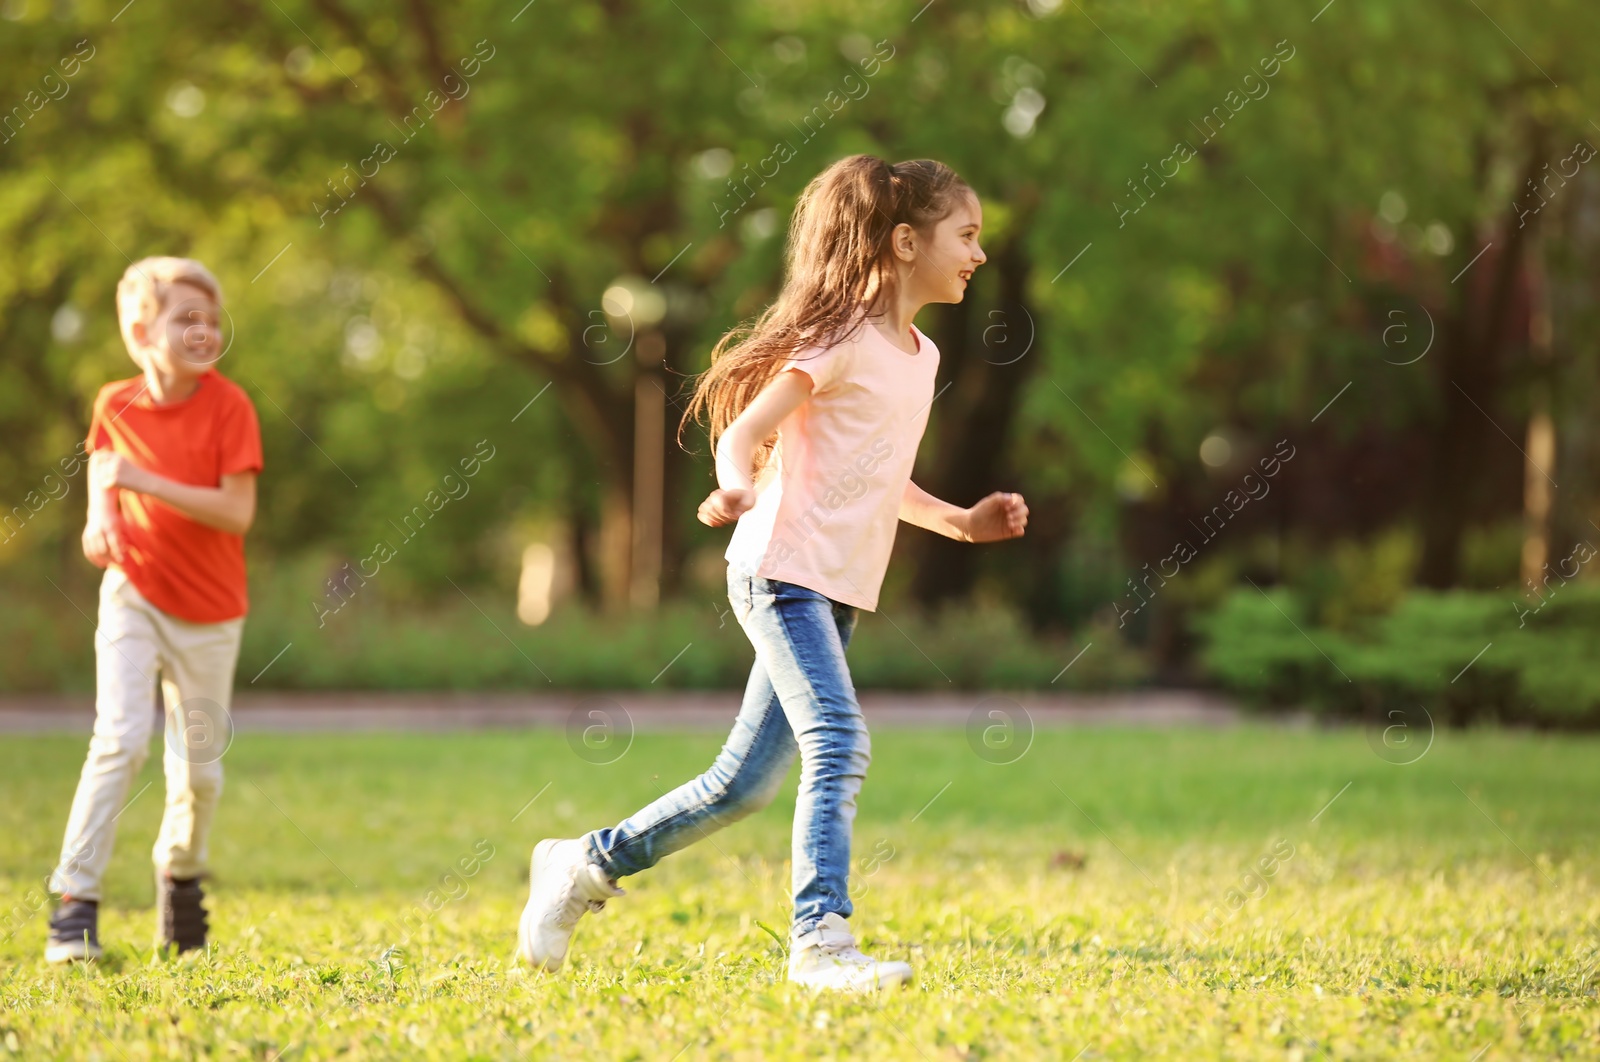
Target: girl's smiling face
[{"x": 944, "y": 259}]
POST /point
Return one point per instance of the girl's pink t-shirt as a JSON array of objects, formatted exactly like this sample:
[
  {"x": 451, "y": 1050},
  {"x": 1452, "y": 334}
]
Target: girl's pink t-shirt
[{"x": 828, "y": 503}]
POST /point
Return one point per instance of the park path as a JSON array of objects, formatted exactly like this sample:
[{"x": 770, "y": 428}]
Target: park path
[{"x": 675, "y": 710}]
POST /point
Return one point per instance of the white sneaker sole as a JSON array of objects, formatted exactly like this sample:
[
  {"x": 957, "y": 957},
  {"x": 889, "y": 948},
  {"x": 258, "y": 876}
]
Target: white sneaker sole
[
  {"x": 541, "y": 852},
  {"x": 73, "y": 951},
  {"x": 885, "y": 975}
]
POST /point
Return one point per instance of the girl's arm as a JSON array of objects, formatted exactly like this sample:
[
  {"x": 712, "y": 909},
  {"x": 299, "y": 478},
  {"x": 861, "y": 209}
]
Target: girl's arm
[
  {"x": 230, "y": 507},
  {"x": 736, "y": 448},
  {"x": 919, "y": 507},
  {"x": 999, "y": 516}
]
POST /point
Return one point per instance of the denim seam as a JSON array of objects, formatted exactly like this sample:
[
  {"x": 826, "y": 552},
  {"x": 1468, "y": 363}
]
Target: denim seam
[
  {"x": 794, "y": 649},
  {"x": 806, "y": 925}
]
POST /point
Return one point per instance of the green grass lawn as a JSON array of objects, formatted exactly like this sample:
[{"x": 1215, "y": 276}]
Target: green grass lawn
[{"x": 1102, "y": 897}]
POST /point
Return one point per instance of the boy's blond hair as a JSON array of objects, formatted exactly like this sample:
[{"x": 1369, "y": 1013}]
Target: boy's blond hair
[{"x": 143, "y": 289}]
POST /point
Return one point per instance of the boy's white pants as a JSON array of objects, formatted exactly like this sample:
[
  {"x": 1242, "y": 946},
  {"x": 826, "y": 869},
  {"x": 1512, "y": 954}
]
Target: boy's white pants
[{"x": 134, "y": 644}]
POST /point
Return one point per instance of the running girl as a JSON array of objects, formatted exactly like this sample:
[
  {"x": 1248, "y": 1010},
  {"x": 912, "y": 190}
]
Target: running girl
[{"x": 815, "y": 415}]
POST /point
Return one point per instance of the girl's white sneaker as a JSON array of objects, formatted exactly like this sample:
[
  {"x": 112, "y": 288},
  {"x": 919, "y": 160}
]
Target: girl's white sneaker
[
  {"x": 827, "y": 959},
  {"x": 563, "y": 886}
]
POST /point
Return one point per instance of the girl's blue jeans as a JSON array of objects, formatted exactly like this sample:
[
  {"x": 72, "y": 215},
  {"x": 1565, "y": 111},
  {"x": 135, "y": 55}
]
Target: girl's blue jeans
[{"x": 799, "y": 698}]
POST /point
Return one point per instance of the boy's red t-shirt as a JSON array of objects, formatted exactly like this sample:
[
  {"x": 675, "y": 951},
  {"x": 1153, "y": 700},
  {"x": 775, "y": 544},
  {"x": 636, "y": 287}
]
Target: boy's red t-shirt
[{"x": 180, "y": 565}]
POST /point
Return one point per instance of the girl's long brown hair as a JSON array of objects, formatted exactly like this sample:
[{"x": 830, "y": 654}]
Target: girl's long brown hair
[{"x": 838, "y": 251}]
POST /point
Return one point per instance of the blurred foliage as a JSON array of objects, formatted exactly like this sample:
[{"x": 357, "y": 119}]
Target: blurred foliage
[
  {"x": 476, "y": 643},
  {"x": 416, "y": 215},
  {"x": 1460, "y": 656}
]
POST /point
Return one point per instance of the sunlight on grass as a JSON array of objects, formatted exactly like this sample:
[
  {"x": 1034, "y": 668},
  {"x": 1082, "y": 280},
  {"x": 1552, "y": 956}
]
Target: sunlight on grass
[{"x": 1113, "y": 894}]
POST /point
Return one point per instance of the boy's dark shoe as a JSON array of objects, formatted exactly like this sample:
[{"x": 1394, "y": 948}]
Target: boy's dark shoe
[
  {"x": 180, "y": 919},
  {"x": 74, "y": 932}
]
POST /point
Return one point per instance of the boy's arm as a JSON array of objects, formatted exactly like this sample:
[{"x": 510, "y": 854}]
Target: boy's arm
[
  {"x": 230, "y": 507},
  {"x": 999, "y": 516},
  {"x": 102, "y": 532}
]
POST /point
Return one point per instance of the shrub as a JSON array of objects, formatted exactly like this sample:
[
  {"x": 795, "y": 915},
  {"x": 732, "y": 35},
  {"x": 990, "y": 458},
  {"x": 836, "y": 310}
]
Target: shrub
[
  {"x": 1461, "y": 655},
  {"x": 380, "y": 643}
]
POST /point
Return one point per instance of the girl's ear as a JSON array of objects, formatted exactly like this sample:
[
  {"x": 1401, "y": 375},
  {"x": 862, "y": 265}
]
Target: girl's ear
[{"x": 904, "y": 241}]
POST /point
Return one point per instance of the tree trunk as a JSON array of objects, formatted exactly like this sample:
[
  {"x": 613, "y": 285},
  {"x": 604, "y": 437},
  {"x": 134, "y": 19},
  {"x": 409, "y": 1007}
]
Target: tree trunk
[
  {"x": 683, "y": 469},
  {"x": 649, "y": 468},
  {"x": 1490, "y": 318},
  {"x": 1538, "y": 475},
  {"x": 615, "y": 543}
]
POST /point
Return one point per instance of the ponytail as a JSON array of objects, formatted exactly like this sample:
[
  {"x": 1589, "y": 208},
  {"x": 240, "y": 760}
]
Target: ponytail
[{"x": 837, "y": 255}]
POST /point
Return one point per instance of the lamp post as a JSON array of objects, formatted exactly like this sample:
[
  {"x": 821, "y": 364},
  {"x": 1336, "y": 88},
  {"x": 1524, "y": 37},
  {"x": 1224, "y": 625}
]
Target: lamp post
[
  {"x": 635, "y": 304},
  {"x": 649, "y": 461}
]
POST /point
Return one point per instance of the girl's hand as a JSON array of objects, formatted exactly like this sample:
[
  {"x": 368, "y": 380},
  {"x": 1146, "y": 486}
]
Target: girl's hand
[
  {"x": 996, "y": 518},
  {"x": 725, "y": 506}
]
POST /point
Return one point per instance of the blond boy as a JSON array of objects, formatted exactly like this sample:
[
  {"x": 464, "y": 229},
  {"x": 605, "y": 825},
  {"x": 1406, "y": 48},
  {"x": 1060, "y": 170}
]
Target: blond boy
[{"x": 172, "y": 489}]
